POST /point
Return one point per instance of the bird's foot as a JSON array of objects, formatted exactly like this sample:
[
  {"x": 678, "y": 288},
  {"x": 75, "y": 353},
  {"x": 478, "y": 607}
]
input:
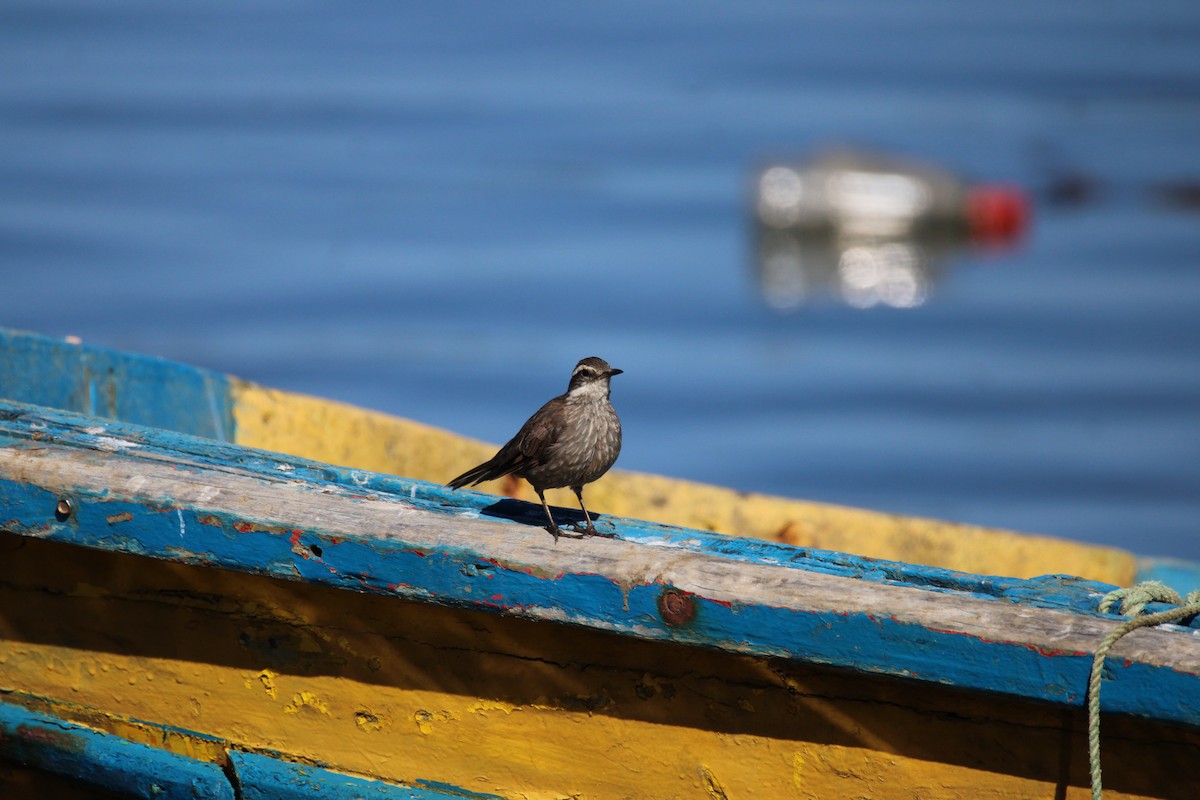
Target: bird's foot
[
  {"x": 556, "y": 532},
  {"x": 590, "y": 530}
]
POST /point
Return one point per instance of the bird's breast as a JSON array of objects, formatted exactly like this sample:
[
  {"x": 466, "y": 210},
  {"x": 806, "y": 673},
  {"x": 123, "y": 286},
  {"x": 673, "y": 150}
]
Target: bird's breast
[{"x": 585, "y": 449}]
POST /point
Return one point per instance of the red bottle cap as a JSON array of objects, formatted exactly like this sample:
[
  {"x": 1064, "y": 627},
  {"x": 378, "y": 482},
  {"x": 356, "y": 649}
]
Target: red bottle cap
[{"x": 996, "y": 214}]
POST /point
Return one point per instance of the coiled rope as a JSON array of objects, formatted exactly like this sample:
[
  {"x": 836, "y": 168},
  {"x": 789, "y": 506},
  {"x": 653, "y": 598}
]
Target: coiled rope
[{"x": 1133, "y": 601}]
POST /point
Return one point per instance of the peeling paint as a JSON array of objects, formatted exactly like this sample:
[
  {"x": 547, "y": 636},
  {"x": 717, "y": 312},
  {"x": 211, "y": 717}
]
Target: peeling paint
[
  {"x": 712, "y": 787},
  {"x": 266, "y": 679},
  {"x": 369, "y": 721},
  {"x": 307, "y": 700},
  {"x": 484, "y": 706},
  {"x": 114, "y": 445},
  {"x": 425, "y": 719}
]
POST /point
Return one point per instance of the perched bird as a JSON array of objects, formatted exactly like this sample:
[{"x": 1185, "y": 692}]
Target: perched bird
[{"x": 570, "y": 441}]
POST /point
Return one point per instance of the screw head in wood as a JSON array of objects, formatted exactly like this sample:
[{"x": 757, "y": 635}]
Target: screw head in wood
[{"x": 64, "y": 509}]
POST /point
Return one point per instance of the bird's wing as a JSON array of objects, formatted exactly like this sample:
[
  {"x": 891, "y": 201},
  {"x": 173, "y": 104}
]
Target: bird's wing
[
  {"x": 531, "y": 442},
  {"x": 539, "y": 432}
]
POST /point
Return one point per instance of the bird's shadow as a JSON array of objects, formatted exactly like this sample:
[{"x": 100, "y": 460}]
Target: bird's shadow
[{"x": 531, "y": 514}]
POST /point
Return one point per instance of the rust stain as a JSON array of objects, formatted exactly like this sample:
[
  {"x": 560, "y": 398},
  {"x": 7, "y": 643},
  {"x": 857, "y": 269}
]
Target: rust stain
[
  {"x": 300, "y": 549},
  {"x": 245, "y": 526},
  {"x": 20, "y": 528},
  {"x": 209, "y": 519},
  {"x": 59, "y": 740},
  {"x": 676, "y": 607},
  {"x": 297, "y": 548},
  {"x": 124, "y": 516}
]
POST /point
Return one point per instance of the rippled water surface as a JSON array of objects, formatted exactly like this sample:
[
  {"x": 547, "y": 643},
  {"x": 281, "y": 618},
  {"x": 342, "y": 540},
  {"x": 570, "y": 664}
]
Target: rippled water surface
[{"x": 435, "y": 210}]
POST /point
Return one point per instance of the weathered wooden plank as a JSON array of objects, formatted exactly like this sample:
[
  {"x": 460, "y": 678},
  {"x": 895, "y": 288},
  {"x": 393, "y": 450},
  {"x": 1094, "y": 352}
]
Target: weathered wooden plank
[
  {"x": 106, "y": 761},
  {"x": 106, "y": 383},
  {"x": 149, "y": 391},
  {"x": 169, "y": 496},
  {"x": 109, "y": 762},
  {"x": 410, "y": 692},
  {"x": 335, "y": 433}
]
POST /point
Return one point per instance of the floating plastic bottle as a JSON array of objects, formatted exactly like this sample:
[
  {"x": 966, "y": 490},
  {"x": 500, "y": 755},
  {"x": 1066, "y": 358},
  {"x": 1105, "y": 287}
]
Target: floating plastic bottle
[
  {"x": 871, "y": 228},
  {"x": 865, "y": 194}
]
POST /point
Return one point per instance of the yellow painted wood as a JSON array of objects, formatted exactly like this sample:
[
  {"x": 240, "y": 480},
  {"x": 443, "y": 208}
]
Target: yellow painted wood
[
  {"x": 407, "y": 692},
  {"x": 337, "y": 433}
]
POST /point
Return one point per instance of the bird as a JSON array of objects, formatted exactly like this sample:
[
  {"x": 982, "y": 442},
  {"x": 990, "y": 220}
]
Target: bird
[{"x": 570, "y": 441}]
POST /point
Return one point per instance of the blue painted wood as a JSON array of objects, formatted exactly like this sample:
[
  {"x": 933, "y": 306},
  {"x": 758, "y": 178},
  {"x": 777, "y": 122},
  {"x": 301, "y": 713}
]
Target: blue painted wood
[
  {"x": 106, "y": 761},
  {"x": 105, "y": 383},
  {"x": 264, "y": 778},
  {"x": 1050, "y": 591},
  {"x": 467, "y": 574},
  {"x": 109, "y": 762}
]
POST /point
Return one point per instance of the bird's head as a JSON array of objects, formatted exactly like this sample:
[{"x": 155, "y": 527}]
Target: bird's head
[{"x": 590, "y": 378}]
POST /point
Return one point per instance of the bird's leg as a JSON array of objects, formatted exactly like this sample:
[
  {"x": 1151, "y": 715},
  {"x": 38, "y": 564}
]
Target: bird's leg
[
  {"x": 552, "y": 527},
  {"x": 591, "y": 529}
]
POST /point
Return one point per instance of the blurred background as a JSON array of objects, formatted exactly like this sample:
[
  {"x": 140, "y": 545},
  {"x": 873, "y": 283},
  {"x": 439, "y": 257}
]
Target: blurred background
[{"x": 435, "y": 209}]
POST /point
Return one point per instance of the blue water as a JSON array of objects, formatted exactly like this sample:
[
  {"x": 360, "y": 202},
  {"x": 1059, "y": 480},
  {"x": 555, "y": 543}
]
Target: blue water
[{"x": 436, "y": 209}]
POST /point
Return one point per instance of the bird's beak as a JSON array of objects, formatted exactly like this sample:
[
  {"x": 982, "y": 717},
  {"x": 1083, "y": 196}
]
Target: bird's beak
[{"x": 615, "y": 371}]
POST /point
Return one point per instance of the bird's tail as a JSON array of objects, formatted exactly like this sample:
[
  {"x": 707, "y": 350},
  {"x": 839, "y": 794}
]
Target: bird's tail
[{"x": 496, "y": 467}]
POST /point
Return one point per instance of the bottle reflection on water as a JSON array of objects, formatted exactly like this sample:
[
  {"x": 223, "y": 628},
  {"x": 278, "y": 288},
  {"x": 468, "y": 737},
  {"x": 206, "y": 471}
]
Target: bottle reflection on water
[
  {"x": 870, "y": 230},
  {"x": 795, "y": 265}
]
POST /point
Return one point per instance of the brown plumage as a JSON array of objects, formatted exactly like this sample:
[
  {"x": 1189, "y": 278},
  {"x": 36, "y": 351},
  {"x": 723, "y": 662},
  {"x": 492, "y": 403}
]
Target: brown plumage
[{"x": 571, "y": 441}]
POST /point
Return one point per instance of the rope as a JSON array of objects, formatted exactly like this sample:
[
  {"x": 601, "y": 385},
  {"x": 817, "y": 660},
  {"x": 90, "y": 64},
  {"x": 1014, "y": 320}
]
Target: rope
[
  {"x": 1133, "y": 602},
  {"x": 1134, "y": 599}
]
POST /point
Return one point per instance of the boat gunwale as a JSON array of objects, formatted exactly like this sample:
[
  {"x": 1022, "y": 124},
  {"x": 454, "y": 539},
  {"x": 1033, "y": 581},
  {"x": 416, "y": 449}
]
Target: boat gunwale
[{"x": 430, "y": 545}]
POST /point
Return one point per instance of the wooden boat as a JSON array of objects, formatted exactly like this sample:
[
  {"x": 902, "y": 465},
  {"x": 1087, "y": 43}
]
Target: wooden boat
[{"x": 212, "y": 589}]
